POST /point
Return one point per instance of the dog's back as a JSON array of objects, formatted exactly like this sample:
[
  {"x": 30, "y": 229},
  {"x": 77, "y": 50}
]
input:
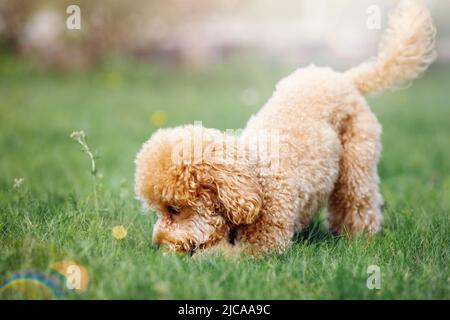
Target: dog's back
[{"x": 329, "y": 139}]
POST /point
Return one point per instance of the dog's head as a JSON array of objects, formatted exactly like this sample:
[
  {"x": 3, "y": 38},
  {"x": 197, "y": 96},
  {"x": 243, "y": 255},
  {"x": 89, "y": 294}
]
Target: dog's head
[{"x": 199, "y": 185}]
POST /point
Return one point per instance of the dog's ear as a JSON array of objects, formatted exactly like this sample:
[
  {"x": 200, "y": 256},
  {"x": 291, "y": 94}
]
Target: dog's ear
[
  {"x": 238, "y": 192},
  {"x": 223, "y": 169}
]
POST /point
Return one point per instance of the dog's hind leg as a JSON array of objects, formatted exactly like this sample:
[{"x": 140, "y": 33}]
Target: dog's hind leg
[{"x": 355, "y": 204}]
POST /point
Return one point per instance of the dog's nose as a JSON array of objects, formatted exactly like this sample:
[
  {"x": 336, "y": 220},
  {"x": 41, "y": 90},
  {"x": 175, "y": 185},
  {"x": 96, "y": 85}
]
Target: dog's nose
[
  {"x": 156, "y": 241},
  {"x": 156, "y": 244}
]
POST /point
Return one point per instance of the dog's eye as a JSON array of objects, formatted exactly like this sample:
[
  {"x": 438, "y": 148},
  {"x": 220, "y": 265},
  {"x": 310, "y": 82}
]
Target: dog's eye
[{"x": 172, "y": 210}]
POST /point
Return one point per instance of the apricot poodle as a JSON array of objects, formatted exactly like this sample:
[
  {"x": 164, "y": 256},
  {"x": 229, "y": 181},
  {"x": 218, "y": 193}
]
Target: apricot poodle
[{"x": 320, "y": 147}]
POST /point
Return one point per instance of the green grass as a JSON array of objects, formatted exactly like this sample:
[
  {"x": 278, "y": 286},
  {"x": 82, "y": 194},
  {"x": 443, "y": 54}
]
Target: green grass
[{"x": 52, "y": 216}]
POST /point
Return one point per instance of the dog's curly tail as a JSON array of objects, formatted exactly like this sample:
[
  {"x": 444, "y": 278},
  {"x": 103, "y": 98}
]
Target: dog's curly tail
[{"x": 406, "y": 50}]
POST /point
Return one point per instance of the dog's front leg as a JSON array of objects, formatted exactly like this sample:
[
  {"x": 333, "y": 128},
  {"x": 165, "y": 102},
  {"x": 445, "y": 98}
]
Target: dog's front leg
[
  {"x": 273, "y": 231},
  {"x": 262, "y": 238}
]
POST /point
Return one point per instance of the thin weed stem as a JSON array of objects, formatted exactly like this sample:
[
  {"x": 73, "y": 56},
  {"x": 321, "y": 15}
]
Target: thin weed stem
[{"x": 80, "y": 137}]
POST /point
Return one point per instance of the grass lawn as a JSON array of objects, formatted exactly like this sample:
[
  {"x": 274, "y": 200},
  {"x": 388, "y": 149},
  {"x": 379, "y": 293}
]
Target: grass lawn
[{"x": 52, "y": 215}]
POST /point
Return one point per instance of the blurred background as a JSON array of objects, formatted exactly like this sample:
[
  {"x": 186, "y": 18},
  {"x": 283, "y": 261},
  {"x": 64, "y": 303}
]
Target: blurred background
[
  {"x": 195, "y": 33},
  {"x": 135, "y": 66}
]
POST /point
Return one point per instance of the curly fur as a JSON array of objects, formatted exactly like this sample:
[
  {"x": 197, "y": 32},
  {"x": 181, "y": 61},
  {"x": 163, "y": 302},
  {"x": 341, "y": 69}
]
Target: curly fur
[
  {"x": 406, "y": 50},
  {"x": 328, "y": 152}
]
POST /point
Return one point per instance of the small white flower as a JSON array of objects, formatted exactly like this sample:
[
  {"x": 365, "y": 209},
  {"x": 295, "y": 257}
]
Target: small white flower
[
  {"x": 78, "y": 135},
  {"x": 17, "y": 183}
]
